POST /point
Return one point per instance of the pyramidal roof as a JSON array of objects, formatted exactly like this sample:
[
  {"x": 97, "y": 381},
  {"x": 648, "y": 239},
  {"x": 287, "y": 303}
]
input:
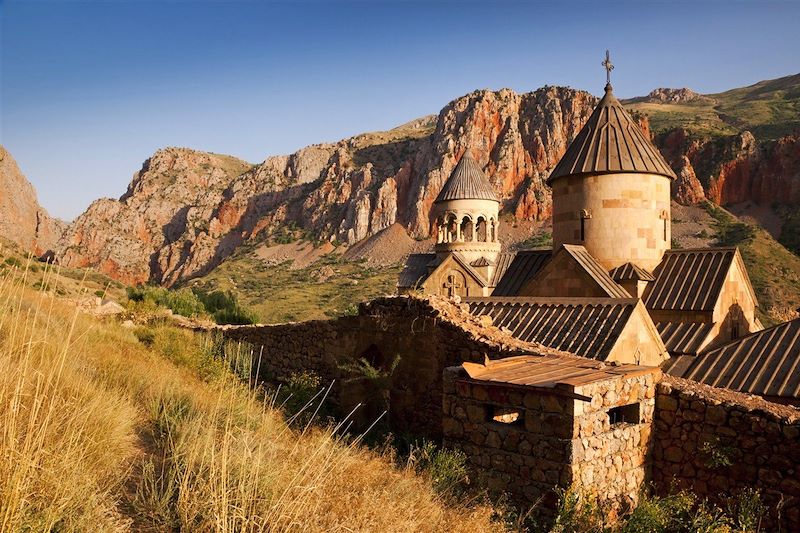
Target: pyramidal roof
[
  {"x": 611, "y": 142},
  {"x": 467, "y": 182}
]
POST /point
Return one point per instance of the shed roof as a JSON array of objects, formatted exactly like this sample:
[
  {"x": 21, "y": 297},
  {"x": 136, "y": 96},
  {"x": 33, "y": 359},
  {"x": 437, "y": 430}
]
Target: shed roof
[
  {"x": 766, "y": 363},
  {"x": 550, "y": 371},
  {"x": 684, "y": 337},
  {"x": 588, "y": 327},
  {"x": 611, "y": 142},
  {"x": 690, "y": 280},
  {"x": 467, "y": 182},
  {"x": 521, "y": 267}
]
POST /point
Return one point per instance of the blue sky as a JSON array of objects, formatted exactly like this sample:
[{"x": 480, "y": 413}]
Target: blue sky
[{"x": 91, "y": 89}]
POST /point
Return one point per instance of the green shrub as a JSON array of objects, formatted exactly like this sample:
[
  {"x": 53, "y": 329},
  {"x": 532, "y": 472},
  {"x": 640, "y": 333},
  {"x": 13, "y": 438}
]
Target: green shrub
[
  {"x": 13, "y": 262},
  {"x": 182, "y": 301},
  {"x": 446, "y": 468},
  {"x": 297, "y": 396},
  {"x": 225, "y": 307}
]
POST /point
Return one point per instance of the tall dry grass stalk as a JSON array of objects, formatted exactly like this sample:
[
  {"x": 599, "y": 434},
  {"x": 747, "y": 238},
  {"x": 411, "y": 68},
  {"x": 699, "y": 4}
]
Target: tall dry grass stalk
[{"x": 100, "y": 432}]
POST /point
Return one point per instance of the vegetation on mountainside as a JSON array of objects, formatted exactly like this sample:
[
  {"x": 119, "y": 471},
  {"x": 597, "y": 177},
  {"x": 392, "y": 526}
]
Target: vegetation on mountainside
[
  {"x": 278, "y": 293},
  {"x": 223, "y": 307},
  {"x": 774, "y": 271},
  {"x": 769, "y": 109},
  {"x": 99, "y": 431}
]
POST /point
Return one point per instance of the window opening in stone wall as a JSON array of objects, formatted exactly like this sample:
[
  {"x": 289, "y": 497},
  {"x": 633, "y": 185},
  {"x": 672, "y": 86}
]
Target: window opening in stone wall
[
  {"x": 505, "y": 415},
  {"x": 583, "y": 229},
  {"x": 625, "y": 414},
  {"x": 665, "y": 229}
]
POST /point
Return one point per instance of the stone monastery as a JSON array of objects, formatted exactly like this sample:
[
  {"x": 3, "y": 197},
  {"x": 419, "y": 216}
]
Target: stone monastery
[
  {"x": 610, "y": 288},
  {"x": 546, "y": 368}
]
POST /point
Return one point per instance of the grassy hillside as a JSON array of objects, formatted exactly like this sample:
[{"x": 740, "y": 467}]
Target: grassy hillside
[
  {"x": 769, "y": 109},
  {"x": 104, "y": 428},
  {"x": 774, "y": 271},
  {"x": 277, "y": 293}
]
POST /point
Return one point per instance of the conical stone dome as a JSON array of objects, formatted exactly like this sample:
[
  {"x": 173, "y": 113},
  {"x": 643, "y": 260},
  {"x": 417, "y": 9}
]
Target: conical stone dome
[
  {"x": 611, "y": 142},
  {"x": 467, "y": 182}
]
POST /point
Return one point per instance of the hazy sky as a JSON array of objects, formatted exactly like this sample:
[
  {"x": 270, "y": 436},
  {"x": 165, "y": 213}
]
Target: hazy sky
[{"x": 91, "y": 89}]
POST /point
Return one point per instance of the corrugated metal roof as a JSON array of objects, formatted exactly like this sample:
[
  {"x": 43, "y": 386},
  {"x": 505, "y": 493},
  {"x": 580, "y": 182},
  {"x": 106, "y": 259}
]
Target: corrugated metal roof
[
  {"x": 502, "y": 262},
  {"x": 588, "y": 327},
  {"x": 766, "y": 363},
  {"x": 548, "y": 371},
  {"x": 683, "y": 337},
  {"x": 467, "y": 182},
  {"x": 520, "y": 267},
  {"x": 415, "y": 271},
  {"x": 611, "y": 142},
  {"x": 629, "y": 271},
  {"x": 678, "y": 364},
  {"x": 596, "y": 271},
  {"x": 689, "y": 280}
]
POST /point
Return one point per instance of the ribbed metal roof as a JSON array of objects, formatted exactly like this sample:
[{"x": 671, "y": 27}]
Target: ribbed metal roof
[
  {"x": 547, "y": 371},
  {"x": 588, "y": 327},
  {"x": 683, "y": 337},
  {"x": 611, "y": 142},
  {"x": 689, "y": 280},
  {"x": 766, "y": 363},
  {"x": 596, "y": 271},
  {"x": 523, "y": 265},
  {"x": 629, "y": 271},
  {"x": 415, "y": 271},
  {"x": 503, "y": 261},
  {"x": 467, "y": 182}
]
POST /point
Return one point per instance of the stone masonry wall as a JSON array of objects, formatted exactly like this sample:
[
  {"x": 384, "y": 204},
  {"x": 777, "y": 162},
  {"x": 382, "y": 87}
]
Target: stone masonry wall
[
  {"x": 556, "y": 441},
  {"x": 427, "y": 334},
  {"x": 700, "y": 428}
]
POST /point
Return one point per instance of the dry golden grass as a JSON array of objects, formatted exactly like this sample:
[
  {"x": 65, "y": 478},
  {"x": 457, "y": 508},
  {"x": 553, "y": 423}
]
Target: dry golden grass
[{"x": 99, "y": 432}]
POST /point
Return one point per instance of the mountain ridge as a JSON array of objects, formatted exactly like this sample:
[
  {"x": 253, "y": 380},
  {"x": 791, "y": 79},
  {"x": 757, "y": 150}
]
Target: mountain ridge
[{"x": 185, "y": 211}]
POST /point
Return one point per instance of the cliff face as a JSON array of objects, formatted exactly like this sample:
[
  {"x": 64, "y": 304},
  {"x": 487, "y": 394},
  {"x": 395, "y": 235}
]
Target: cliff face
[
  {"x": 734, "y": 169},
  {"x": 185, "y": 211},
  {"x": 22, "y": 219}
]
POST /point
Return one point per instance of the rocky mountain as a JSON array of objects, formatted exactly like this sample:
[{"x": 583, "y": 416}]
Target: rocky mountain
[
  {"x": 22, "y": 219},
  {"x": 186, "y": 211}
]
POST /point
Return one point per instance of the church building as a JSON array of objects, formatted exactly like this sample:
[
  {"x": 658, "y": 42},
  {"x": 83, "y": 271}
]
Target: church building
[{"x": 611, "y": 287}]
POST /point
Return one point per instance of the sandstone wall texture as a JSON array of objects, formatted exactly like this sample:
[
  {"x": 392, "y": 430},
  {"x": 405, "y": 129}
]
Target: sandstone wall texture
[
  {"x": 426, "y": 334},
  {"x": 530, "y": 443},
  {"x": 717, "y": 442}
]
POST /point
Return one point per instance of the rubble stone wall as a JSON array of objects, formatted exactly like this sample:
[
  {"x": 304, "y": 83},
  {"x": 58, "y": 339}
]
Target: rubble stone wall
[
  {"x": 425, "y": 334},
  {"x": 717, "y": 442},
  {"x": 556, "y": 440}
]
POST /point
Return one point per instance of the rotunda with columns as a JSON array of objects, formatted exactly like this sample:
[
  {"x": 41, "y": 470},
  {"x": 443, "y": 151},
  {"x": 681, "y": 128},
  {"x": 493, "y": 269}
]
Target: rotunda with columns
[{"x": 466, "y": 214}]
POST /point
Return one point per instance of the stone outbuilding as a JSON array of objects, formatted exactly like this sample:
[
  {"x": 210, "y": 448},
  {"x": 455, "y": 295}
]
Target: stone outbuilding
[{"x": 531, "y": 425}]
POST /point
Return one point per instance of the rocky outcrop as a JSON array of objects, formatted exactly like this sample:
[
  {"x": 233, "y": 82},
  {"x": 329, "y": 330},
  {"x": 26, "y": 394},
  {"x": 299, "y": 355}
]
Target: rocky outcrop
[
  {"x": 22, "y": 220},
  {"x": 733, "y": 169},
  {"x": 675, "y": 96},
  {"x": 185, "y": 211}
]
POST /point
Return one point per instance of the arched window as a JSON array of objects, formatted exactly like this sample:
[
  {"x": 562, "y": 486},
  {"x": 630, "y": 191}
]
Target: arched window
[
  {"x": 481, "y": 229},
  {"x": 493, "y": 229},
  {"x": 467, "y": 229},
  {"x": 451, "y": 228}
]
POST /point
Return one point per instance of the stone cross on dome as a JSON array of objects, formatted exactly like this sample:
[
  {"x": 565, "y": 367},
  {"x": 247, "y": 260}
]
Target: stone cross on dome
[{"x": 609, "y": 67}]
